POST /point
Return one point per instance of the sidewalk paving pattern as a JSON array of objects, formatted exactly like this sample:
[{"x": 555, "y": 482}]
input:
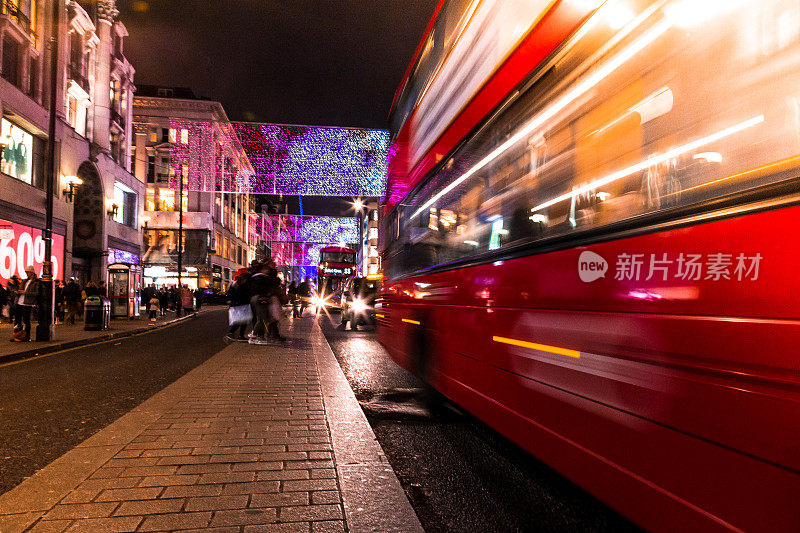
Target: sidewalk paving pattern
[{"x": 257, "y": 438}]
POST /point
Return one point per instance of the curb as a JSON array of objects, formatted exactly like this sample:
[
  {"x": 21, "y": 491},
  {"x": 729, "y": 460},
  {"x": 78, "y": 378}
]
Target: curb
[{"x": 88, "y": 341}]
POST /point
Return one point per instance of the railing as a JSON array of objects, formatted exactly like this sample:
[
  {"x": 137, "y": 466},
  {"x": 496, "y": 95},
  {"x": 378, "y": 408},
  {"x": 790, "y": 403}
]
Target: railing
[
  {"x": 116, "y": 117},
  {"x": 77, "y": 76},
  {"x": 11, "y": 10}
]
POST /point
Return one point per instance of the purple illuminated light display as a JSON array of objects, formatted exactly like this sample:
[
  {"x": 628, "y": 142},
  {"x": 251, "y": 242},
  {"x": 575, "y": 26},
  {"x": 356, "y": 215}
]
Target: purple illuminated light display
[
  {"x": 281, "y": 159},
  {"x": 296, "y": 240}
]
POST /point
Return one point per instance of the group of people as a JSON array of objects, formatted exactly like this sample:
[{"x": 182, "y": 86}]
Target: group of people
[
  {"x": 261, "y": 289},
  {"x": 21, "y": 297},
  {"x": 159, "y": 300}
]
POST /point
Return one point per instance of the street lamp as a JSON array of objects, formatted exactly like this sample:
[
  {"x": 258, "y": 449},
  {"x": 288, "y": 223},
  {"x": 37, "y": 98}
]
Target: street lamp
[{"x": 70, "y": 183}]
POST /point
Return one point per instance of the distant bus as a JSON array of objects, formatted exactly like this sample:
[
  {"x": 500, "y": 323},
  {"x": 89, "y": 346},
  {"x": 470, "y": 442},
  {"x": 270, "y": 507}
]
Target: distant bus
[
  {"x": 337, "y": 264},
  {"x": 589, "y": 243}
]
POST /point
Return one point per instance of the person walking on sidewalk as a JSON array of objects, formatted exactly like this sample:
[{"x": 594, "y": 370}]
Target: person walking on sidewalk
[
  {"x": 239, "y": 295},
  {"x": 72, "y": 299},
  {"x": 276, "y": 301},
  {"x": 27, "y": 296},
  {"x": 12, "y": 287},
  {"x": 304, "y": 293},
  {"x": 153, "y": 307}
]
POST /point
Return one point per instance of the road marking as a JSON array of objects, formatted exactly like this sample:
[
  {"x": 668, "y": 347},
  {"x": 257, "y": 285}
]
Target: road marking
[{"x": 541, "y": 347}]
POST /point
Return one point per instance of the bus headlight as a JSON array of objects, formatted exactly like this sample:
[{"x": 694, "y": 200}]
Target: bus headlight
[
  {"x": 359, "y": 305},
  {"x": 316, "y": 301}
]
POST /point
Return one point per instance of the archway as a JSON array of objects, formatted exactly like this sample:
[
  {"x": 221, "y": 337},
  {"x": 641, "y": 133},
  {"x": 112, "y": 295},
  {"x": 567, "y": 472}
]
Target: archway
[{"x": 88, "y": 219}]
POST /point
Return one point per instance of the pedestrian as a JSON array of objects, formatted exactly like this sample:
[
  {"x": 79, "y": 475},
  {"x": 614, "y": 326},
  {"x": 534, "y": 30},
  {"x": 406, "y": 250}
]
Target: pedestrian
[
  {"x": 186, "y": 300},
  {"x": 58, "y": 297},
  {"x": 153, "y": 306},
  {"x": 198, "y": 298},
  {"x": 239, "y": 296},
  {"x": 27, "y": 296},
  {"x": 304, "y": 293},
  {"x": 12, "y": 287},
  {"x": 163, "y": 297},
  {"x": 72, "y": 300},
  {"x": 276, "y": 302},
  {"x": 292, "y": 294},
  {"x": 3, "y": 301}
]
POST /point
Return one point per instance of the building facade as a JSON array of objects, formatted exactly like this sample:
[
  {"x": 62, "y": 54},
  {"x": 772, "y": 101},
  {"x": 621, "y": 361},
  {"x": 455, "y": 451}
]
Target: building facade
[
  {"x": 177, "y": 135},
  {"x": 98, "y": 201},
  {"x": 369, "y": 260}
]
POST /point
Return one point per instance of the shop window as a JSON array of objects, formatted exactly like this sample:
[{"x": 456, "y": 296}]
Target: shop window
[
  {"x": 18, "y": 153},
  {"x": 125, "y": 198}
]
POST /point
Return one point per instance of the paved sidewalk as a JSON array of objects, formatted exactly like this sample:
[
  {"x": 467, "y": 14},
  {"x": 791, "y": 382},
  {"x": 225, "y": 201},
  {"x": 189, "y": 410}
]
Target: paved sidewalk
[
  {"x": 257, "y": 438},
  {"x": 69, "y": 336}
]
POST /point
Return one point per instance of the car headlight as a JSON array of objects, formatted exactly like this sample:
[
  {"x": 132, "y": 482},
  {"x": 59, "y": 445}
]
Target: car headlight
[
  {"x": 316, "y": 301},
  {"x": 359, "y": 305}
]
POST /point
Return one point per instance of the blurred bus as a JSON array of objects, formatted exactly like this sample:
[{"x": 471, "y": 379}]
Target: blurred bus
[
  {"x": 589, "y": 243},
  {"x": 337, "y": 264}
]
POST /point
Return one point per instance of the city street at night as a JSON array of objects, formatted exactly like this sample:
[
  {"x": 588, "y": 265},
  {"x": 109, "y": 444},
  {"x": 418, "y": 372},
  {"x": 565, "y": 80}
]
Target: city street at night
[{"x": 402, "y": 266}]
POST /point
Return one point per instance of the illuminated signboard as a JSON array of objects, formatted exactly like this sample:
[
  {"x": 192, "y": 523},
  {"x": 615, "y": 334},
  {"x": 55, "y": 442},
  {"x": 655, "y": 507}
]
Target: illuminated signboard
[
  {"x": 121, "y": 256},
  {"x": 336, "y": 271},
  {"x": 280, "y": 159},
  {"x": 21, "y": 246},
  {"x": 18, "y": 153}
]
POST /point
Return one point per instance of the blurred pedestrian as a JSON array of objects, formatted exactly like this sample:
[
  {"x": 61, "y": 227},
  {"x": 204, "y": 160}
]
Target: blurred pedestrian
[
  {"x": 27, "y": 296},
  {"x": 239, "y": 296},
  {"x": 72, "y": 300},
  {"x": 163, "y": 297},
  {"x": 198, "y": 298},
  {"x": 58, "y": 290},
  {"x": 3, "y": 301},
  {"x": 12, "y": 287},
  {"x": 304, "y": 293},
  {"x": 153, "y": 306}
]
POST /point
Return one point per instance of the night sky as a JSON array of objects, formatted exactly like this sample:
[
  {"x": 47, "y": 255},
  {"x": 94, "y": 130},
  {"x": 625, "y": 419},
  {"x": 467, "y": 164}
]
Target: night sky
[{"x": 319, "y": 62}]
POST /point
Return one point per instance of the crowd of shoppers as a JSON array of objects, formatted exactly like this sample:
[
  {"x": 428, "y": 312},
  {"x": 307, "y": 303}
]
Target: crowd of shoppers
[{"x": 257, "y": 297}]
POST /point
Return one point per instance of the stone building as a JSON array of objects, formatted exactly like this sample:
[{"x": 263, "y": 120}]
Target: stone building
[
  {"x": 97, "y": 199},
  {"x": 170, "y": 121}
]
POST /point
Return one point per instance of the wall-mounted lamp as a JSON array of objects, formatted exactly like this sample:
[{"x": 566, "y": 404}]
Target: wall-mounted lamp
[
  {"x": 70, "y": 183},
  {"x": 113, "y": 209},
  {"x": 145, "y": 219}
]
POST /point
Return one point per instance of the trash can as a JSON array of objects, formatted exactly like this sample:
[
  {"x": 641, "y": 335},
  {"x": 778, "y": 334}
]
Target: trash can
[{"x": 97, "y": 311}]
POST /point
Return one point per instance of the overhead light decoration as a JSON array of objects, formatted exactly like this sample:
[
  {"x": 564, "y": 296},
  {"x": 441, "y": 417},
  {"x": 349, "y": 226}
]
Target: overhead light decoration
[
  {"x": 310, "y": 229},
  {"x": 282, "y": 159}
]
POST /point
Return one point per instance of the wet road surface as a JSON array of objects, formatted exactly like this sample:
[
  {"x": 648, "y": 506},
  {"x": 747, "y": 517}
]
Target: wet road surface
[
  {"x": 459, "y": 474},
  {"x": 51, "y": 404}
]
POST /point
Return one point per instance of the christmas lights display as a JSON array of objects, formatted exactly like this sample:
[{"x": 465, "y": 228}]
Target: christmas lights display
[
  {"x": 298, "y": 254},
  {"x": 280, "y": 159},
  {"x": 310, "y": 229}
]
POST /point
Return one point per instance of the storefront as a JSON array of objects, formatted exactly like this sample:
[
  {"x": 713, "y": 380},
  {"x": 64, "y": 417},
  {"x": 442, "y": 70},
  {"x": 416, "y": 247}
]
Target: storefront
[{"x": 21, "y": 246}]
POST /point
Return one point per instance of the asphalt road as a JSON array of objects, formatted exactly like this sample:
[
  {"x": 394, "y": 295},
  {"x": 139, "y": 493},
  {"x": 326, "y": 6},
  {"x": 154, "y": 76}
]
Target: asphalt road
[
  {"x": 51, "y": 404},
  {"x": 459, "y": 474}
]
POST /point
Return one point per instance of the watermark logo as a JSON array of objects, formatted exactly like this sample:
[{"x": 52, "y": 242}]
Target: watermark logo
[{"x": 591, "y": 266}]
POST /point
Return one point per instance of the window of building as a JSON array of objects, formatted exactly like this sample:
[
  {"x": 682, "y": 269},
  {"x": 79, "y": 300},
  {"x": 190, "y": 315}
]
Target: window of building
[
  {"x": 33, "y": 87},
  {"x": 165, "y": 93},
  {"x": 227, "y": 249},
  {"x": 18, "y": 152},
  {"x": 173, "y": 135},
  {"x": 164, "y": 135},
  {"x": 166, "y": 200},
  {"x": 125, "y": 198},
  {"x": 218, "y": 243},
  {"x": 151, "y": 168},
  {"x": 150, "y": 200},
  {"x": 184, "y": 136},
  {"x": 153, "y": 135},
  {"x": 133, "y": 159},
  {"x": 165, "y": 171},
  {"x": 10, "y": 67}
]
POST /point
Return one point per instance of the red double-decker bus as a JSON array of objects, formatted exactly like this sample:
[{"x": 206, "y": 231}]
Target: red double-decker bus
[
  {"x": 337, "y": 264},
  {"x": 589, "y": 243}
]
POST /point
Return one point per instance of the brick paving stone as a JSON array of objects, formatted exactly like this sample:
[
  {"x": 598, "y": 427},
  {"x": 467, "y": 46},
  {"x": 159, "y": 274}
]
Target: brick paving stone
[
  {"x": 146, "y": 507},
  {"x": 186, "y": 491},
  {"x": 233, "y": 529},
  {"x": 305, "y": 465},
  {"x": 216, "y": 450},
  {"x": 234, "y": 458},
  {"x": 126, "y": 454},
  {"x": 217, "y": 503},
  {"x": 165, "y": 481},
  {"x": 50, "y": 526},
  {"x": 323, "y": 473},
  {"x": 310, "y": 447},
  {"x": 268, "y": 475},
  {"x": 133, "y": 461},
  {"x": 335, "y": 526},
  {"x": 204, "y": 468},
  {"x": 320, "y": 455},
  {"x": 311, "y": 513},
  {"x": 228, "y": 477},
  {"x": 283, "y": 456},
  {"x": 243, "y": 517},
  {"x": 244, "y": 467},
  {"x": 109, "y": 483},
  {"x": 291, "y": 527},
  {"x": 105, "y": 472},
  {"x": 143, "y": 471},
  {"x": 81, "y": 510},
  {"x": 184, "y": 460},
  {"x": 174, "y": 521},
  {"x": 81, "y": 495},
  {"x": 106, "y": 525},
  {"x": 166, "y": 452},
  {"x": 279, "y": 499},
  {"x": 323, "y": 497},
  {"x": 254, "y": 487},
  {"x": 310, "y": 484},
  {"x": 135, "y": 493}
]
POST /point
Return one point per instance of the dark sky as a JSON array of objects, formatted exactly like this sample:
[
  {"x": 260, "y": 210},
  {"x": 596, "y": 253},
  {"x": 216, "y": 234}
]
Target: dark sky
[{"x": 318, "y": 62}]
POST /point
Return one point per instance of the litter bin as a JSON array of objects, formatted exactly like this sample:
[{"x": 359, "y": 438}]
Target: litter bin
[{"x": 97, "y": 311}]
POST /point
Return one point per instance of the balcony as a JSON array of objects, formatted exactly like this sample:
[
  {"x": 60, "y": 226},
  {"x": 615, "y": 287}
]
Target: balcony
[
  {"x": 10, "y": 9},
  {"x": 77, "y": 76},
  {"x": 117, "y": 118}
]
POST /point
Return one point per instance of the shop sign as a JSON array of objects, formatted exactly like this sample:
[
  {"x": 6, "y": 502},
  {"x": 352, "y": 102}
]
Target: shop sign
[
  {"x": 21, "y": 246},
  {"x": 122, "y": 256}
]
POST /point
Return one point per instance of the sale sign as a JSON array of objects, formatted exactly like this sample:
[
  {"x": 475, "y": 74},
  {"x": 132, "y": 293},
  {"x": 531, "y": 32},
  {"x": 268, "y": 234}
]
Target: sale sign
[{"x": 21, "y": 246}]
